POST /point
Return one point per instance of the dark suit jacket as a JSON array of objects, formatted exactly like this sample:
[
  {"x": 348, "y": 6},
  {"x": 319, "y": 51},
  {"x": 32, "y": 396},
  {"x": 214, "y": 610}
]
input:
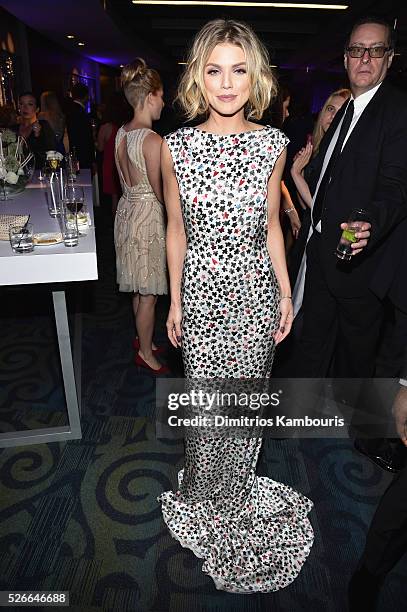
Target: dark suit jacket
[
  {"x": 371, "y": 173},
  {"x": 80, "y": 134},
  {"x": 391, "y": 276}
]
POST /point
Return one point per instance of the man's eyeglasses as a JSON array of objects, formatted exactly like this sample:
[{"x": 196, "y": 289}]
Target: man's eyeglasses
[{"x": 373, "y": 51}]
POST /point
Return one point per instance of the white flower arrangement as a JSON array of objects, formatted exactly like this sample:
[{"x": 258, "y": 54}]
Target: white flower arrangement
[
  {"x": 11, "y": 177},
  {"x": 14, "y": 157}
]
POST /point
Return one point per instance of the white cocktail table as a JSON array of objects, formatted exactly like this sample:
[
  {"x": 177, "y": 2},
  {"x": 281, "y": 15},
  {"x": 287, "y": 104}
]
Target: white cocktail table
[{"x": 51, "y": 264}]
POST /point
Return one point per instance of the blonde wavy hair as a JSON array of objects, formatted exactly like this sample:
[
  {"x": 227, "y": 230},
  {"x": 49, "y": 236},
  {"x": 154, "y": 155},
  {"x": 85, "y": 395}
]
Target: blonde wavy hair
[
  {"x": 318, "y": 132},
  {"x": 138, "y": 80},
  {"x": 263, "y": 86}
]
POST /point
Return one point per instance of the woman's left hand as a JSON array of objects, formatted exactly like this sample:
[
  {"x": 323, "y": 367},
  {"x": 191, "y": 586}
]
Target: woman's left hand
[
  {"x": 36, "y": 128},
  {"x": 286, "y": 319},
  {"x": 301, "y": 159},
  {"x": 295, "y": 223}
]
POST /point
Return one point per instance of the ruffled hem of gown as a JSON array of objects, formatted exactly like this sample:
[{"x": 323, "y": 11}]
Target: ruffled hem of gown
[{"x": 262, "y": 549}]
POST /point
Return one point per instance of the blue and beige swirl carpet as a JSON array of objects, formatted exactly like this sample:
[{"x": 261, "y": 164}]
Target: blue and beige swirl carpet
[{"x": 82, "y": 516}]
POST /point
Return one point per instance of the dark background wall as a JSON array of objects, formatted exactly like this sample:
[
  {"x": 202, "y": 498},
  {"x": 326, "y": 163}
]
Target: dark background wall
[
  {"x": 13, "y": 43},
  {"x": 52, "y": 65}
]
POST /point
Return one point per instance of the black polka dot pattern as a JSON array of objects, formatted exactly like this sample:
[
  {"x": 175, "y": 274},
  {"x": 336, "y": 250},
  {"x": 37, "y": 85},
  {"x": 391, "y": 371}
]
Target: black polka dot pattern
[{"x": 252, "y": 532}]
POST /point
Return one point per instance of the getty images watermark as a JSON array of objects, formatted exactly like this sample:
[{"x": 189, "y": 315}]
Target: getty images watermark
[
  {"x": 213, "y": 402},
  {"x": 277, "y": 408}
]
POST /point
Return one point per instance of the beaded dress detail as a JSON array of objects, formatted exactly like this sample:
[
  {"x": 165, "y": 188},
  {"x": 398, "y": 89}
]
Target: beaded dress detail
[
  {"x": 139, "y": 229},
  {"x": 252, "y": 532}
]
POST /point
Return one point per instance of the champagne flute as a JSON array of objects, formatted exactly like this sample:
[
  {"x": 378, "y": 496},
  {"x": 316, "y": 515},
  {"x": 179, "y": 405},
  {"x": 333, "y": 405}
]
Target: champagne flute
[{"x": 54, "y": 164}]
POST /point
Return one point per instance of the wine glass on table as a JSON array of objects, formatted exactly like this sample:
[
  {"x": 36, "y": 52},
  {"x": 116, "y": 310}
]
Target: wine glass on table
[
  {"x": 74, "y": 198},
  {"x": 3, "y": 173}
]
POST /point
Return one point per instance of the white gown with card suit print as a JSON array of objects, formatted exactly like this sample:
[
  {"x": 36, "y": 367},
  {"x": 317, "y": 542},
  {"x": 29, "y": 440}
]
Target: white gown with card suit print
[{"x": 252, "y": 532}]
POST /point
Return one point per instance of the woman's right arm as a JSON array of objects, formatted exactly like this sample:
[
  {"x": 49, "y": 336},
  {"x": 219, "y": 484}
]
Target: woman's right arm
[
  {"x": 176, "y": 243},
  {"x": 300, "y": 161},
  {"x": 290, "y": 210}
]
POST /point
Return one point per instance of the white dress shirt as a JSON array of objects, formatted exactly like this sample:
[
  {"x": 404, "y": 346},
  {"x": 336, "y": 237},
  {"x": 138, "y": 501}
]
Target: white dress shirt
[{"x": 360, "y": 104}]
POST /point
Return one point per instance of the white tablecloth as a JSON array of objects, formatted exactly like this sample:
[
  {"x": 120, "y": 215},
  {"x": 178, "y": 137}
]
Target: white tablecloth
[{"x": 48, "y": 264}]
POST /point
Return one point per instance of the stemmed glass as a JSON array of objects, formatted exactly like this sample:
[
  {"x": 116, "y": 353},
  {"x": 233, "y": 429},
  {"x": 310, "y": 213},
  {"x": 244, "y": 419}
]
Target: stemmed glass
[
  {"x": 3, "y": 197},
  {"x": 3, "y": 177},
  {"x": 74, "y": 198},
  {"x": 70, "y": 166}
]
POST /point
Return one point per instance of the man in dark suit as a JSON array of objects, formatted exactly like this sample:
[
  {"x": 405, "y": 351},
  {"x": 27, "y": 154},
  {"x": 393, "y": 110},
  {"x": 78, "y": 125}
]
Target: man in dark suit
[
  {"x": 389, "y": 283},
  {"x": 386, "y": 540},
  {"x": 79, "y": 127},
  {"x": 361, "y": 164}
]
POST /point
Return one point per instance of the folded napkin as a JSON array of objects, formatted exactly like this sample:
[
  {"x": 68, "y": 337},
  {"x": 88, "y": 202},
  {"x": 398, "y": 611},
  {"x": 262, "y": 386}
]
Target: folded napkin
[{"x": 7, "y": 221}]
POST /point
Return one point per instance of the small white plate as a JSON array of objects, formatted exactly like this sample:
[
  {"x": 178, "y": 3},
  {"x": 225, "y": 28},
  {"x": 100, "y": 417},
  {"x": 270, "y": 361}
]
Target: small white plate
[{"x": 47, "y": 238}]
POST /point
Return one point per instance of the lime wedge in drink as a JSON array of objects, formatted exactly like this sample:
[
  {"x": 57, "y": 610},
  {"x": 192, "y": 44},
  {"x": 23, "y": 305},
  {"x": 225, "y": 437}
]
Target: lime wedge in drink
[{"x": 349, "y": 234}]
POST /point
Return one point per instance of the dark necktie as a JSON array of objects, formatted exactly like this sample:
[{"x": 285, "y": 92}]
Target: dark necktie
[{"x": 320, "y": 197}]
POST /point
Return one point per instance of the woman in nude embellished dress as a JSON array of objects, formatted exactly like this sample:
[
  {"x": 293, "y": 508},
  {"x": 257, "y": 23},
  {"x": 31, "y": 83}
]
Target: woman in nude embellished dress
[
  {"x": 139, "y": 230},
  {"x": 230, "y": 306}
]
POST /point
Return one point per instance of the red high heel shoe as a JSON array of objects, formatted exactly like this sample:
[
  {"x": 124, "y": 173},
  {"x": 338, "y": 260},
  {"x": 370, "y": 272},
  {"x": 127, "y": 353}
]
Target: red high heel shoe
[
  {"x": 157, "y": 351},
  {"x": 139, "y": 361}
]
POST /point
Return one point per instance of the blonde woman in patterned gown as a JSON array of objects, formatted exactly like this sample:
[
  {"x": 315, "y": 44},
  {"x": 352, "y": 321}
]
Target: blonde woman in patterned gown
[
  {"x": 230, "y": 306},
  {"x": 139, "y": 231}
]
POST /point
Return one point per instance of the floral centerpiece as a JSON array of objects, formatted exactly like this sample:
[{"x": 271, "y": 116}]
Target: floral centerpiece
[{"x": 17, "y": 163}]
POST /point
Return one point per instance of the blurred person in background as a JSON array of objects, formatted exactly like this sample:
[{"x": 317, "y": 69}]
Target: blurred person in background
[
  {"x": 117, "y": 112},
  {"x": 386, "y": 539},
  {"x": 79, "y": 127},
  {"x": 139, "y": 229},
  {"x": 37, "y": 132},
  {"x": 289, "y": 218},
  {"x": 51, "y": 111},
  {"x": 303, "y": 175}
]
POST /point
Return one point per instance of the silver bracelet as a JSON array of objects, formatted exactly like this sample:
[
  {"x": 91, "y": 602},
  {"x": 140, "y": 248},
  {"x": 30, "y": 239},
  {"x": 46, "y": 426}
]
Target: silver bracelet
[
  {"x": 286, "y": 297},
  {"x": 289, "y": 210}
]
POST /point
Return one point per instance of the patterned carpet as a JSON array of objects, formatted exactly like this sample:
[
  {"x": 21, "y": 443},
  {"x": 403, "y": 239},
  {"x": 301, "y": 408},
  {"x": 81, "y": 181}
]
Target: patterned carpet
[{"x": 82, "y": 516}]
